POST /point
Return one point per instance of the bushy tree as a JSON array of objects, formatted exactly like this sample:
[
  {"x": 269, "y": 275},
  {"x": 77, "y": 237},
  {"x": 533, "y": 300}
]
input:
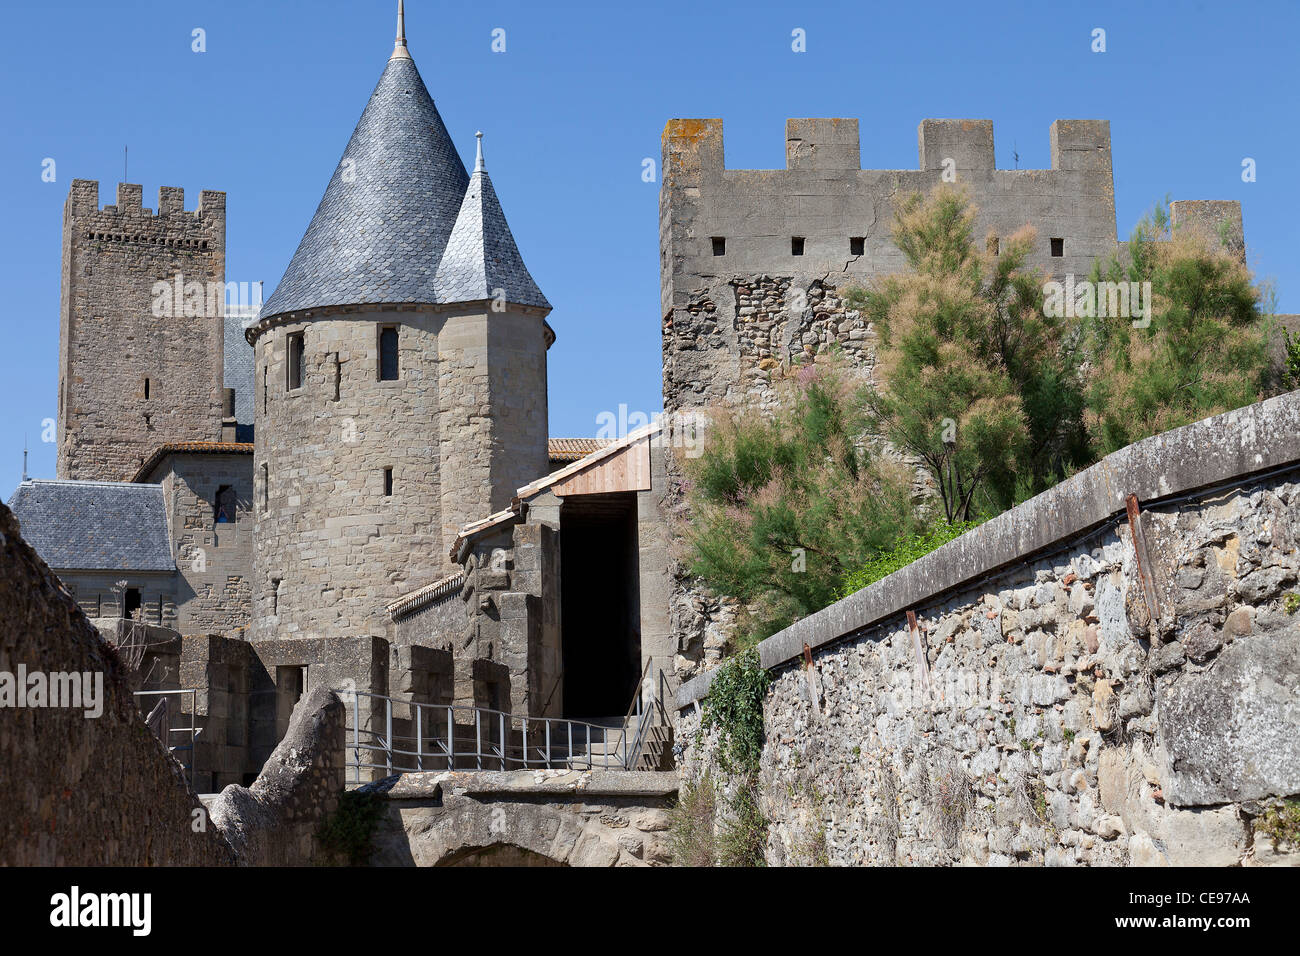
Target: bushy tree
[
  {"x": 1202, "y": 350},
  {"x": 974, "y": 379},
  {"x": 784, "y": 507}
]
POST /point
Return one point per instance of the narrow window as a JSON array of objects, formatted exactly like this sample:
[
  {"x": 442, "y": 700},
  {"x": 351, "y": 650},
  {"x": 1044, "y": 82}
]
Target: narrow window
[
  {"x": 1058, "y": 248},
  {"x": 388, "y": 353},
  {"x": 796, "y": 245},
  {"x": 223, "y": 507},
  {"x": 296, "y": 350},
  {"x": 719, "y": 245},
  {"x": 338, "y": 374},
  {"x": 160, "y": 610},
  {"x": 266, "y": 389},
  {"x": 266, "y": 488},
  {"x": 275, "y": 595},
  {"x": 388, "y": 482},
  {"x": 146, "y": 390},
  {"x": 132, "y": 604},
  {"x": 992, "y": 246},
  {"x": 857, "y": 245}
]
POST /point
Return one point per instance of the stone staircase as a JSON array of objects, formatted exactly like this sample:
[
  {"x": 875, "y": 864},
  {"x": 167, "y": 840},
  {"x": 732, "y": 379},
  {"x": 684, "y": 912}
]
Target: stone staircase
[{"x": 655, "y": 751}]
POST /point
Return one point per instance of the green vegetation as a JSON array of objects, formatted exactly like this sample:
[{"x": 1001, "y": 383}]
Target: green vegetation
[
  {"x": 907, "y": 550},
  {"x": 692, "y": 841},
  {"x": 348, "y": 832},
  {"x": 976, "y": 379},
  {"x": 734, "y": 705},
  {"x": 1204, "y": 350},
  {"x": 1281, "y": 823},
  {"x": 1291, "y": 603},
  {"x": 784, "y": 508}
]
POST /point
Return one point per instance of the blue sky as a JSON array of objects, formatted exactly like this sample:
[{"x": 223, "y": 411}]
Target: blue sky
[{"x": 570, "y": 110}]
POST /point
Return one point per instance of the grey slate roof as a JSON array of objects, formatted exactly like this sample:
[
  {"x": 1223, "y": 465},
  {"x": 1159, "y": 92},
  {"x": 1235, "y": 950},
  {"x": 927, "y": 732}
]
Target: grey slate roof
[
  {"x": 238, "y": 372},
  {"x": 482, "y": 260},
  {"x": 95, "y": 525},
  {"x": 380, "y": 237}
]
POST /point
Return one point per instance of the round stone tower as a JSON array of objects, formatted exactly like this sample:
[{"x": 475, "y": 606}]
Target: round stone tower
[{"x": 401, "y": 375}]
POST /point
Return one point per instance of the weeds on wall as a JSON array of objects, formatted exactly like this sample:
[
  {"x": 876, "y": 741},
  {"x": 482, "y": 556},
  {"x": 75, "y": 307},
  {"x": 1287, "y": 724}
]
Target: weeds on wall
[
  {"x": 1281, "y": 823},
  {"x": 348, "y": 833},
  {"x": 721, "y": 823},
  {"x": 691, "y": 837},
  {"x": 734, "y": 706}
]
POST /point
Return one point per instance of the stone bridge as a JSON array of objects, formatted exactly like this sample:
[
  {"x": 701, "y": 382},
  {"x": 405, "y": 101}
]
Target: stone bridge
[{"x": 524, "y": 818}]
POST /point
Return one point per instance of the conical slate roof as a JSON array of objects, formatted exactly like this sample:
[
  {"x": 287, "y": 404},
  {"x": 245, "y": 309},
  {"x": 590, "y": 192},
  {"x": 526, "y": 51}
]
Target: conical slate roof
[
  {"x": 482, "y": 260},
  {"x": 380, "y": 231}
]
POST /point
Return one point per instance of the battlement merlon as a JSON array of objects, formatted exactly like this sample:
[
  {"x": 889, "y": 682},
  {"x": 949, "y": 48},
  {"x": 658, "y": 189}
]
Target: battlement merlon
[
  {"x": 83, "y": 200},
  {"x": 694, "y": 147}
]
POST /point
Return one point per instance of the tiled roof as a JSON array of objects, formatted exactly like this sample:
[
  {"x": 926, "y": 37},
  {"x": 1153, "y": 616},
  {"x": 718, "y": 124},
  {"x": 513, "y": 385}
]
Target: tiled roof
[
  {"x": 95, "y": 525},
  {"x": 571, "y": 449},
  {"x": 603, "y": 450},
  {"x": 482, "y": 260},
  {"x": 407, "y": 604},
  {"x": 191, "y": 448},
  {"x": 381, "y": 228}
]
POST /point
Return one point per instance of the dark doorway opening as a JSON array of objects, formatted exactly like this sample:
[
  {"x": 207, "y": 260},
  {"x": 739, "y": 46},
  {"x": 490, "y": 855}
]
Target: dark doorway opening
[
  {"x": 600, "y": 605},
  {"x": 132, "y": 603}
]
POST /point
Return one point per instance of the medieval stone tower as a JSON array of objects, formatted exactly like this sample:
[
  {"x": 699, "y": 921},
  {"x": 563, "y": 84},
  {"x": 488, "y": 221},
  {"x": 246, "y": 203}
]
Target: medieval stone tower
[
  {"x": 400, "y": 375},
  {"x": 138, "y": 367}
]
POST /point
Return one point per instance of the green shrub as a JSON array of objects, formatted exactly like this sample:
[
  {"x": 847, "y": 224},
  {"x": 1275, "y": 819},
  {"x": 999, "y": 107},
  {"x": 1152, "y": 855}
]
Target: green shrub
[
  {"x": 902, "y": 554},
  {"x": 734, "y": 705}
]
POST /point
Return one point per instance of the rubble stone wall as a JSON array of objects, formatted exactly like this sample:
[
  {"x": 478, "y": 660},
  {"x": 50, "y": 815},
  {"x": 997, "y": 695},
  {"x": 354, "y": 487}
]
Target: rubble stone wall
[{"x": 1097, "y": 702}]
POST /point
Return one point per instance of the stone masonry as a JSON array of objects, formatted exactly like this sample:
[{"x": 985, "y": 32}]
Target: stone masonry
[
  {"x": 1103, "y": 703},
  {"x": 131, "y": 379}
]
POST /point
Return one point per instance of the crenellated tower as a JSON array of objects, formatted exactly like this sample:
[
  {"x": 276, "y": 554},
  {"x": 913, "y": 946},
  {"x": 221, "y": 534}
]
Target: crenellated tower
[{"x": 140, "y": 327}]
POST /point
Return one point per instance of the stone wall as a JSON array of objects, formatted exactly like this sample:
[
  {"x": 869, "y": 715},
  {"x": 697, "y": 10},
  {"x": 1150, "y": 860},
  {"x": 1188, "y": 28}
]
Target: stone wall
[
  {"x": 277, "y": 821},
  {"x": 79, "y": 790},
  {"x": 98, "y": 595},
  {"x": 1068, "y": 697},
  {"x": 111, "y": 339},
  {"x": 532, "y": 817},
  {"x": 214, "y": 560}
]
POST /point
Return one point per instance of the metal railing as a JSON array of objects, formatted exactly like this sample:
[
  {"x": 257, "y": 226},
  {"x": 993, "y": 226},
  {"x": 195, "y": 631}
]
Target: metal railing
[
  {"x": 192, "y": 730},
  {"x": 452, "y": 737},
  {"x": 646, "y": 707}
]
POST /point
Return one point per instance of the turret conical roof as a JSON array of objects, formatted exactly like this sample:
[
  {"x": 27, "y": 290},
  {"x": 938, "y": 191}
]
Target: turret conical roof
[
  {"x": 379, "y": 233},
  {"x": 482, "y": 260}
]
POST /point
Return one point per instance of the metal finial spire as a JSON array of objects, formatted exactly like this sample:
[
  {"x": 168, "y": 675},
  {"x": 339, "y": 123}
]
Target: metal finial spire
[
  {"x": 478, "y": 161},
  {"x": 24, "y": 457},
  {"x": 399, "y": 48}
]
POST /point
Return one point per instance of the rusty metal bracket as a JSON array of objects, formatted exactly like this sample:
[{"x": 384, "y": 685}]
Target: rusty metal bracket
[
  {"x": 1142, "y": 555},
  {"x": 922, "y": 664}
]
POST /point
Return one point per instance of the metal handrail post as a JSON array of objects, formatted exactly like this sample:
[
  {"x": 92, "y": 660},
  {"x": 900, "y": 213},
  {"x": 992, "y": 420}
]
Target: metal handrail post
[
  {"x": 388, "y": 744},
  {"x": 451, "y": 738},
  {"x": 478, "y": 739},
  {"x": 419, "y": 738},
  {"x": 548, "y": 742},
  {"x": 503, "y": 741},
  {"x": 356, "y": 735}
]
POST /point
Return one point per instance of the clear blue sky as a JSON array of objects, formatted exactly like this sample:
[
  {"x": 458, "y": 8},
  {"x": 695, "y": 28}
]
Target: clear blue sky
[{"x": 571, "y": 109}]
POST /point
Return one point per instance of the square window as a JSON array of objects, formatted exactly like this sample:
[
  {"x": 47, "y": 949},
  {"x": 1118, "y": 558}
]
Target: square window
[
  {"x": 719, "y": 245},
  {"x": 857, "y": 245},
  {"x": 1058, "y": 248},
  {"x": 796, "y": 245}
]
